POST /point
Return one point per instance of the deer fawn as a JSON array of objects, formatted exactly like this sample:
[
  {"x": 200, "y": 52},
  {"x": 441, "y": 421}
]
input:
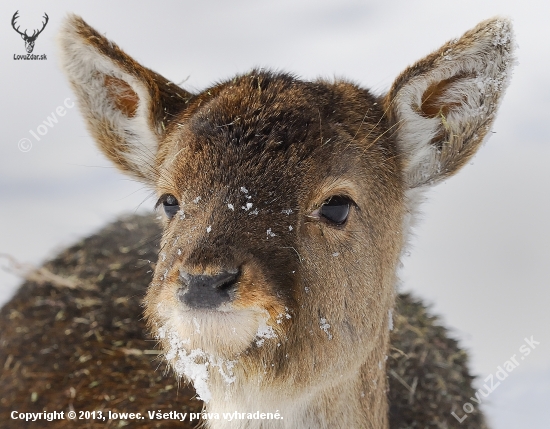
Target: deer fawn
[{"x": 287, "y": 208}]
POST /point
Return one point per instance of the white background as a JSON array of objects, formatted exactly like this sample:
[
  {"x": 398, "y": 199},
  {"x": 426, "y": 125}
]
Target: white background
[{"x": 482, "y": 252}]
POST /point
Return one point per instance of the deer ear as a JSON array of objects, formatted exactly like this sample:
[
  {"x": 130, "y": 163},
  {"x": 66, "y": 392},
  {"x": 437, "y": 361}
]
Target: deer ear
[
  {"x": 443, "y": 107},
  {"x": 127, "y": 107}
]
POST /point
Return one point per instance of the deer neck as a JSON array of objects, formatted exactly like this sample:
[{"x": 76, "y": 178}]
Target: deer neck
[{"x": 357, "y": 399}]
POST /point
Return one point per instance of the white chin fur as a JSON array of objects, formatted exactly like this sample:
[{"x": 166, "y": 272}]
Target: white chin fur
[
  {"x": 197, "y": 342},
  {"x": 217, "y": 332}
]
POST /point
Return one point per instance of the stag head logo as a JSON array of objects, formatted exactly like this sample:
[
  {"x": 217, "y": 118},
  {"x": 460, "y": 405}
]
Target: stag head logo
[{"x": 29, "y": 40}]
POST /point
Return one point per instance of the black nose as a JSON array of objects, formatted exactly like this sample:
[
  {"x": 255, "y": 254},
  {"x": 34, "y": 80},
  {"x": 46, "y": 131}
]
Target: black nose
[{"x": 208, "y": 291}]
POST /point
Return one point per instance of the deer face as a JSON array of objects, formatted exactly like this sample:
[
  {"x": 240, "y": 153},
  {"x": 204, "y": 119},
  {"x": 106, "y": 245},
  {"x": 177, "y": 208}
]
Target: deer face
[
  {"x": 29, "y": 43},
  {"x": 285, "y": 201},
  {"x": 275, "y": 222}
]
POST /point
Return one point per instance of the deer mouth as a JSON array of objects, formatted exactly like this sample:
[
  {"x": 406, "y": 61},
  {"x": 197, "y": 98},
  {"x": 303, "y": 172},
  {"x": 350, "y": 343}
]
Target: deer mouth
[
  {"x": 224, "y": 332},
  {"x": 224, "y": 314}
]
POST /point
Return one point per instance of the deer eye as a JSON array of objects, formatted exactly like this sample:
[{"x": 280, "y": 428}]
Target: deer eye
[
  {"x": 171, "y": 205},
  {"x": 335, "y": 210}
]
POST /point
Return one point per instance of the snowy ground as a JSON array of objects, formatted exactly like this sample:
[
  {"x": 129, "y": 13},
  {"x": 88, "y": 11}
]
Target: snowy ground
[{"x": 481, "y": 253}]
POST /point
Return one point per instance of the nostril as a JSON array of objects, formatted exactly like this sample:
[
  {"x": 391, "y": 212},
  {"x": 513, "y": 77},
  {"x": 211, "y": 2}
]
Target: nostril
[
  {"x": 227, "y": 285},
  {"x": 202, "y": 291},
  {"x": 225, "y": 280}
]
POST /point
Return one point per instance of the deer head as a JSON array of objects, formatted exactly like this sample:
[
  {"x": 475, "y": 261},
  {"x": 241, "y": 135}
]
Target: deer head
[
  {"x": 29, "y": 40},
  {"x": 286, "y": 205}
]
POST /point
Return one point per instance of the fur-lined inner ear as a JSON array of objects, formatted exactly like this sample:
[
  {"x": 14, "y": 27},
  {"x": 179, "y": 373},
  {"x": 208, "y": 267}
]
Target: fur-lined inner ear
[
  {"x": 127, "y": 107},
  {"x": 122, "y": 95},
  {"x": 443, "y": 106},
  {"x": 441, "y": 97}
]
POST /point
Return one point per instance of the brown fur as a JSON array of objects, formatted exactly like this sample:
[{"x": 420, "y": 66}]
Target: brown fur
[
  {"x": 251, "y": 161},
  {"x": 87, "y": 349}
]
